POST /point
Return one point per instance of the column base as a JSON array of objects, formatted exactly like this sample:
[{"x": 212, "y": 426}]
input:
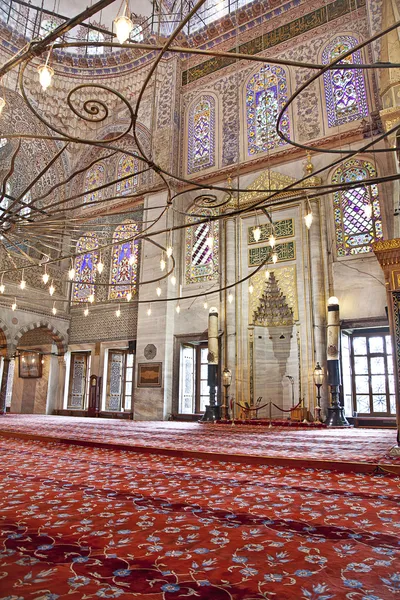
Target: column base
[
  {"x": 336, "y": 417},
  {"x": 212, "y": 414}
]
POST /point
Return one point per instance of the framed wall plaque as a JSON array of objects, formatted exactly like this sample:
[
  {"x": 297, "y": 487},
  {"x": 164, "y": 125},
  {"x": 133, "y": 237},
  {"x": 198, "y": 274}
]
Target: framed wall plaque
[
  {"x": 30, "y": 365},
  {"x": 149, "y": 375}
]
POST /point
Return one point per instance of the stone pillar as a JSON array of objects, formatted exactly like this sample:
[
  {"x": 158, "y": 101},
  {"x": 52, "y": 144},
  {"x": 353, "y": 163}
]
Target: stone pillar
[
  {"x": 230, "y": 308},
  {"x": 317, "y": 294},
  {"x": 3, "y": 384},
  {"x": 59, "y": 402},
  {"x": 388, "y": 255},
  {"x": 52, "y": 385}
]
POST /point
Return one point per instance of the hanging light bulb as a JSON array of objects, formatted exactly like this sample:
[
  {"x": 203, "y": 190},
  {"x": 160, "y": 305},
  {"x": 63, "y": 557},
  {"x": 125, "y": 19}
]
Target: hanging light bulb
[
  {"x": 178, "y": 308},
  {"x": 54, "y": 310},
  {"x": 272, "y": 240},
  {"x": 22, "y": 283},
  {"x": 173, "y": 279},
  {"x": 123, "y": 26},
  {"x": 45, "y": 276},
  {"x": 131, "y": 260},
  {"x": 251, "y": 288},
  {"x": 91, "y": 298},
  {"x": 86, "y": 312},
  {"x": 14, "y": 305},
  {"x": 274, "y": 258},
  {"x": 205, "y": 304},
  {"x": 129, "y": 296},
  {"x": 118, "y": 312},
  {"x": 52, "y": 289},
  {"x": 2, "y": 288},
  {"x": 2, "y": 104},
  {"x": 308, "y": 219},
  {"x": 368, "y": 210},
  {"x": 162, "y": 262},
  {"x": 257, "y": 233},
  {"x": 158, "y": 291},
  {"x": 71, "y": 274},
  {"x": 169, "y": 251},
  {"x": 45, "y": 76},
  {"x": 100, "y": 266},
  {"x": 230, "y": 297},
  {"x": 267, "y": 274},
  {"x": 149, "y": 311}
]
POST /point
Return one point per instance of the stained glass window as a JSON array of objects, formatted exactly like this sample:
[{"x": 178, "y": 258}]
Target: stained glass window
[
  {"x": 201, "y": 134},
  {"x": 95, "y": 177},
  {"x": 126, "y": 166},
  {"x": 266, "y": 94},
  {"x": 124, "y": 263},
  {"x": 345, "y": 94},
  {"x": 95, "y": 36},
  {"x": 355, "y": 229},
  {"x": 85, "y": 267},
  {"x": 202, "y": 258},
  {"x": 3, "y": 142}
]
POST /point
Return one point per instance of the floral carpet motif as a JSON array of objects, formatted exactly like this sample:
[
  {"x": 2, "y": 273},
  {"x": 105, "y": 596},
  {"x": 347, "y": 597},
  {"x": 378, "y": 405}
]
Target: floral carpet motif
[
  {"x": 80, "y": 523},
  {"x": 363, "y": 445}
]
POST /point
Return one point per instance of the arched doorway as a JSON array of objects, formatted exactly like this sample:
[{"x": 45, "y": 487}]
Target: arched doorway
[{"x": 36, "y": 377}]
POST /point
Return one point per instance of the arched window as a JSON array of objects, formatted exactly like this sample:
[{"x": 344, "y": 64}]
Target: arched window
[
  {"x": 345, "y": 94},
  {"x": 5, "y": 202},
  {"x": 95, "y": 36},
  {"x": 124, "y": 261},
  {"x": 266, "y": 94},
  {"x": 355, "y": 229},
  {"x": 126, "y": 166},
  {"x": 202, "y": 259},
  {"x": 201, "y": 134},
  {"x": 47, "y": 26},
  {"x": 26, "y": 210},
  {"x": 94, "y": 178},
  {"x": 85, "y": 267},
  {"x": 136, "y": 34}
]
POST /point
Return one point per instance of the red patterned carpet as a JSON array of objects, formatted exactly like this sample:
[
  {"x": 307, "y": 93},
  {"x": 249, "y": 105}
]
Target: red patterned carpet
[
  {"x": 81, "y": 523},
  {"x": 321, "y": 447}
]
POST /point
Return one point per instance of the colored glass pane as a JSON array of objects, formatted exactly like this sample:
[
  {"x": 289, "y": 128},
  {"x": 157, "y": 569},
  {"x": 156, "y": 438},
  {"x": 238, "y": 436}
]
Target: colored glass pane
[
  {"x": 26, "y": 210},
  {"x": 85, "y": 267},
  {"x": 95, "y": 178},
  {"x": 201, "y": 259},
  {"x": 127, "y": 165},
  {"x": 124, "y": 261},
  {"x": 355, "y": 230},
  {"x": 266, "y": 94},
  {"x": 345, "y": 94},
  {"x": 95, "y": 36},
  {"x": 201, "y": 134}
]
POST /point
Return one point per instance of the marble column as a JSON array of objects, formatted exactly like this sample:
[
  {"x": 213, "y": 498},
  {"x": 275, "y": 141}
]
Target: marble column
[
  {"x": 3, "y": 384},
  {"x": 230, "y": 308}
]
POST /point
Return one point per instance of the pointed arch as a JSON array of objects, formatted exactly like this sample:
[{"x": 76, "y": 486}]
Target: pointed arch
[
  {"x": 124, "y": 261},
  {"x": 127, "y": 165},
  {"x": 94, "y": 178},
  {"x": 355, "y": 230},
  {"x": 345, "y": 91},
  {"x": 53, "y": 332},
  {"x": 266, "y": 92},
  {"x": 85, "y": 267},
  {"x": 202, "y": 261},
  {"x": 201, "y": 134}
]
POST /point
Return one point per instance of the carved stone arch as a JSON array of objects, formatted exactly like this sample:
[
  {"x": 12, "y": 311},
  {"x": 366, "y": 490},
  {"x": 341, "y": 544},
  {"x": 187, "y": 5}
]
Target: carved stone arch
[
  {"x": 215, "y": 130},
  {"x": 5, "y": 339},
  {"x": 54, "y": 333},
  {"x": 266, "y": 180},
  {"x": 283, "y": 75}
]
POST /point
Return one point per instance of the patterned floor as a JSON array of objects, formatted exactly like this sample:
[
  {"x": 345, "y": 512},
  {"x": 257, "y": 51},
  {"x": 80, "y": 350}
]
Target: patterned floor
[
  {"x": 369, "y": 446},
  {"x": 88, "y": 523}
]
